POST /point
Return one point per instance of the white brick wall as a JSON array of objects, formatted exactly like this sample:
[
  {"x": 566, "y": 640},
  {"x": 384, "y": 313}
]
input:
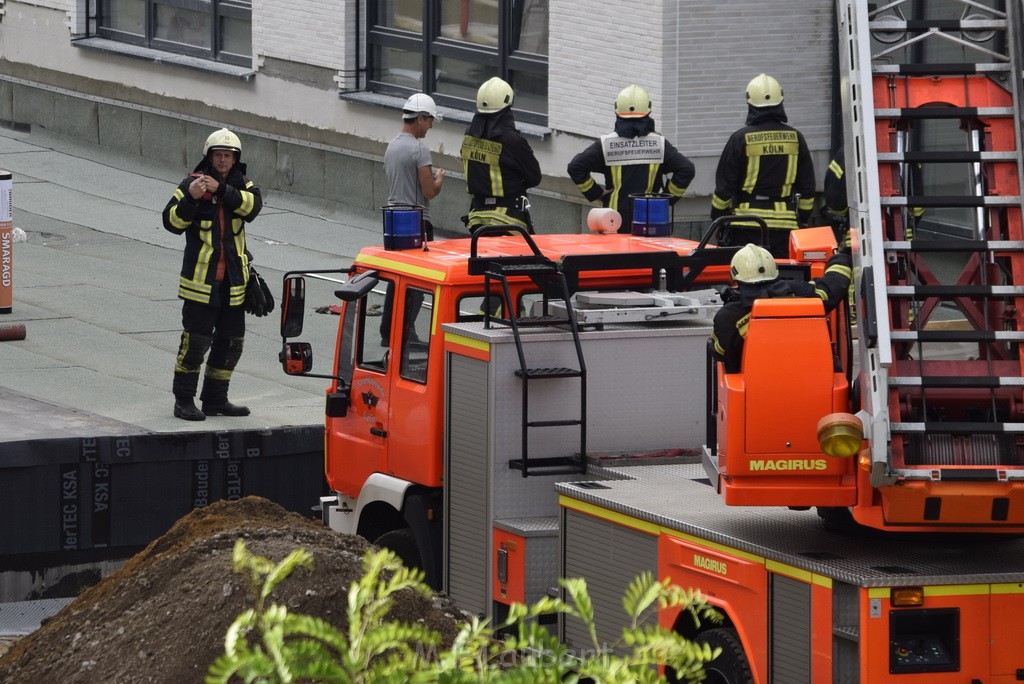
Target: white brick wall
[
  {"x": 695, "y": 58},
  {"x": 311, "y": 32}
]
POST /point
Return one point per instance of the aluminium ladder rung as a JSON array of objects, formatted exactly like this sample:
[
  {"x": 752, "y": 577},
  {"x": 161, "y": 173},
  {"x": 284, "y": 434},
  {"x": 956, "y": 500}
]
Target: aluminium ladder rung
[
  {"x": 976, "y": 381},
  {"x": 939, "y": 427},
  {"x": 957, "y": 335},
  {"x": 951, "y": 201},
  {"x": 948, "y": 156},
  {"x": 940, "y": 69},
  {"x": 953, "y": 245},
  {"x": 955, "y": 290},
  {"x": 568, "y": 422},
  {"x": 943, "y": 112},
  {"x": 890, "y": 23},
  {"x": 558, "y": 465}
]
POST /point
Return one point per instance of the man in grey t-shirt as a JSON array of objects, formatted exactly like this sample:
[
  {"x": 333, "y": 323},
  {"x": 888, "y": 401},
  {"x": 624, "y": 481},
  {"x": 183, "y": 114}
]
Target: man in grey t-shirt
[{"x": 407, "y": 160}]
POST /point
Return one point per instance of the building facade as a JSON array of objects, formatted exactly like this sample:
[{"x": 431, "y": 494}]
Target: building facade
[{"x": 315, "y": 86}]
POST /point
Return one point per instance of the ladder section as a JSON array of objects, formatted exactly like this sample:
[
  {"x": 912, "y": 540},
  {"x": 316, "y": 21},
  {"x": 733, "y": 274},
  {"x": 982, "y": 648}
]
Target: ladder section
[
  {"x": 944, "y": 246},
  {"x": 547, "y": 276}
]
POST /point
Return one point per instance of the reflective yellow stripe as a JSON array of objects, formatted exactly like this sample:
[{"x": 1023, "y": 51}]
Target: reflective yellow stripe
[
  {"x": 652, "y": 175},
  {"x": 217, "y": 373},
  {"x": 720, "y": 203},
  {"x": 805, "y": 576},
  {"x": 585, "y": 185},
  {"x": 493, "y": 217},
  {"x": 613, "y": 200},
  {"x": 753, "y": 169},
  {"x": 205, "y": 253},
  {"x": 177, "y": 221},
  {"x": 248, "y": 201},
  {"x": 399, "y": 267},
  {"x": 467, "y": 342},
  {"x": 835, "y": 169},
  {"x": 675, "y": 190},
  {"x": 784, "y": 219}
]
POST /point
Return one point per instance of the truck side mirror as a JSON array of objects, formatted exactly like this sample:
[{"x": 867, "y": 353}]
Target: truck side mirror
[
  {"x": 356, "y": 288},
  {"x": 292, "y": 304},
  {"x": 297, "y": 358}
]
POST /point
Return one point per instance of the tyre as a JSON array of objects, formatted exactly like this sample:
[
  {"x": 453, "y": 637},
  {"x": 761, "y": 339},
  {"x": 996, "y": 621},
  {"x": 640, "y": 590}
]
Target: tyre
[
  {"x": 403, "y": 543},
  {"x": 731, "y": 666}
]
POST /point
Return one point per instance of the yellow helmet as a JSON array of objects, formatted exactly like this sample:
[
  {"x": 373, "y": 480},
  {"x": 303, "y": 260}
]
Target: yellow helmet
[
  {"x": 224, "y": 140},
  {"x": 753, "y": 264},
  {"x": 493, "y": 96},
  {"x": 764, "y": 91},
  {"x": 632, "y": 102}
]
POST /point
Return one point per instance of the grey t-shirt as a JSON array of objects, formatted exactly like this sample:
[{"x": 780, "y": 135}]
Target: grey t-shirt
[{"x": 402, "y": 161}]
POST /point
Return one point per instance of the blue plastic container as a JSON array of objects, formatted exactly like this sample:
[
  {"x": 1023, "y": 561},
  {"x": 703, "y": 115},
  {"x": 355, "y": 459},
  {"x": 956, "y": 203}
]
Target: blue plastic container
[
  {"x": 403, "y": 227},
  {"x": 652, "y": 215}
]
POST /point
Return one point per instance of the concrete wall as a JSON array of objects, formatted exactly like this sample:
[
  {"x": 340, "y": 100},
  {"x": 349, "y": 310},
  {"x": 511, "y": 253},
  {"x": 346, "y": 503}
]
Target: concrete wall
[{"x": 694, "y": 56}]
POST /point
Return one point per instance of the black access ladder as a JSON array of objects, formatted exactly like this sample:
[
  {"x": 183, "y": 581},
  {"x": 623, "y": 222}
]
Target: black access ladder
[{"x": 546, "y": 274}]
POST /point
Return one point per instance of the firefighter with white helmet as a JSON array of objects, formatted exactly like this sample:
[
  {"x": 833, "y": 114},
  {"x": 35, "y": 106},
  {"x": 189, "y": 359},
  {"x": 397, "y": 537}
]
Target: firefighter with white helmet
[
  {"x": 407, "y": 162},
  {"x": 498, "y": 162},
  {"x": 634, "y": 159},
  {"x": 757, "y": 276},
  {"x": 211, "y": 207},
  {"x": 765, "y": 170}
]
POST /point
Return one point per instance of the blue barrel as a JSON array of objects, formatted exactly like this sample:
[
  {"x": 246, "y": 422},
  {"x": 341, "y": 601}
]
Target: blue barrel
[
  {"x": 403, "y": 227},
  {"x": 652, "y": 215}
]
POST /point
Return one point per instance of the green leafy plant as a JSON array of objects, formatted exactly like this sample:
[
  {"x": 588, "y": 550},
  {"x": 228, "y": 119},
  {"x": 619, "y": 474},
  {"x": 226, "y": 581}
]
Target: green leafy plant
[{"x": 285, "y": 647}]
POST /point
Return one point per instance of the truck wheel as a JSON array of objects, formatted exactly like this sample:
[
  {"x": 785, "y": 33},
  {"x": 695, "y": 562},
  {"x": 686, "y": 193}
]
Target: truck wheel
[
  {"x": 403, "y": 543},
  {"x": 731, "y": 666}
]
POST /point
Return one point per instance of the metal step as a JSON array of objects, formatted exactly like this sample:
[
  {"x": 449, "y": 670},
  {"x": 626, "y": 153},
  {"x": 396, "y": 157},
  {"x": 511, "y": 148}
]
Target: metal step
[
  {"x": 541, "y": 321},
  {"x": 558, "y": 465},
  {"x": 522, "y": 269},
  {"x": 532, "y": 373},
  {"x": 554, "y": 423}
]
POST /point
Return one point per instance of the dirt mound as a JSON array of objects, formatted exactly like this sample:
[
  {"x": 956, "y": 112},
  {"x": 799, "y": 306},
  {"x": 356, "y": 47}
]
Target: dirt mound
[{"x": 163, "y": 615}]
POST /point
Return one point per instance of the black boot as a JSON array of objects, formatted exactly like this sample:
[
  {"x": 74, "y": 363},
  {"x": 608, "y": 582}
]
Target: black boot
[
  {"x": 185, "y": 408},
  {"x": 225, "y": 409},
  {"x": 215, "y": 399}
]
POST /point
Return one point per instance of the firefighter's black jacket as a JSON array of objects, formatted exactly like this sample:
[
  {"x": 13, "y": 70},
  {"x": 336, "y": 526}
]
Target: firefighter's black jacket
[
  {"x": 497, "y": 160},
  {"x": 623, "y": 181},
  {"x": 730, "y": 324},
  {"x": 211, "y": 225},
  {"x": 763, "y": 167}
]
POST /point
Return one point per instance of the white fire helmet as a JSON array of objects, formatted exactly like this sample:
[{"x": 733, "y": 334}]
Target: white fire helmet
[
  {"x": 764, "y": 91},
  {"x": 753, "y": 264},
  {"x": 224, "y": 140},
  {"x": 493, "y": 96}
]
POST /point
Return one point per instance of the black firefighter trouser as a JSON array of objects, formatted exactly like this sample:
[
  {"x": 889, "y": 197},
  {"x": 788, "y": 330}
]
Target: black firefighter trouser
[{"x": 219, "y": 329}]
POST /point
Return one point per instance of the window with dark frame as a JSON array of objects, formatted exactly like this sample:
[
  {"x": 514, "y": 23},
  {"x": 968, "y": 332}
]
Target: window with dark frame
[
  {"x": 447, "y": 48},
  {"x": 218, "y": 30}
]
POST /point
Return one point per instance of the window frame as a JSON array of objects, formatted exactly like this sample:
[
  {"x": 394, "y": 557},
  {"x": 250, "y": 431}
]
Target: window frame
[
  {"x": 217, "y": 10},
  {"x": 430, "y": 46}
]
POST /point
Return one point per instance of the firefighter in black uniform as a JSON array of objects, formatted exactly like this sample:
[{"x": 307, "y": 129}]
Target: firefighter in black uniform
[
  {"x": 757, "y": 276},
  {"x": 211, "y": 207},
  {"x": 498, "y": 162},
  {"x": 634, "y": 160},
  {"x": 765, "y": 170}
]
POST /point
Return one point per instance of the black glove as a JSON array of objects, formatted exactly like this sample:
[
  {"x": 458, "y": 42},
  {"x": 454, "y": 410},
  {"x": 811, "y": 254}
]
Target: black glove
[
  {"x": 259, "y": 301},
  {"x": 728, "y": 294}
]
